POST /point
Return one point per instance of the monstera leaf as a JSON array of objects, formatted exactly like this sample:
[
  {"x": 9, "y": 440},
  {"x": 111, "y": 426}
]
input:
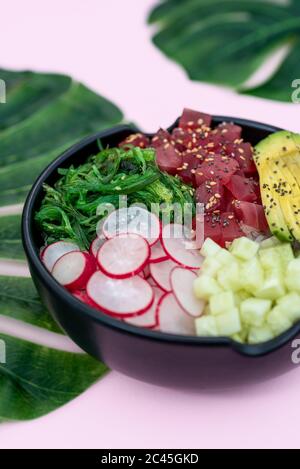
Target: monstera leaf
[
  {"x": 226, "y": 41},
  {"x": 43, "y": 115}
]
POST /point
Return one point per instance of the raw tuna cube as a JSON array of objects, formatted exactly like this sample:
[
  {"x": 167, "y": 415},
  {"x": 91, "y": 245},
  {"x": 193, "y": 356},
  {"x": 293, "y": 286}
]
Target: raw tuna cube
[
  {"x": 211, "y": 194},
  {"x": 230, "y": 227},
  {"x": 242, "y": 188},
  {"x": 161, "y": 138},
  {"x": 216, "y": 167},
  {"x": 193, "y": 119},
  {"x": 229, "y": 131},
  {"x": 136, "y": 140},
  {"x": 252, "y": 215},
  {"x": 243, "y": 153},
  {"x": 212, "y": 228},
  {"x": 168, "y": 158}
]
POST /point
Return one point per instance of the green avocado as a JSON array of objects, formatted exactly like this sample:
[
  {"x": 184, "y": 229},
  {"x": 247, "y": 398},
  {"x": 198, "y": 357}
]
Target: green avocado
[{"x": 277, "y": 158}]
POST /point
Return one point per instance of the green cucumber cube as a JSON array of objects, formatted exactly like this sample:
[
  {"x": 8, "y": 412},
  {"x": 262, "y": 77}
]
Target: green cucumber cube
[
  {"x": 221, "y": 303},
  {"x": 209, "y": 248},
  {"x": 269, "y": 259},
  {"x": 290, "y": 303},
  {"x": 251, "y": 275},
  {"x": 205, "y": 286},
  {"x": 254, "y": 311},
  {"x": 210, "y": 267},
  {"x": 228, "y": 323},
  {"x": 272, "y": 287},
  {"x": 240, "y": 296},
  {"x": 243, "y": 248},
  {"x": 206, "y": 326},
  {"x": 224, "y": 257},
  {"x": 269, "y": 242},
  {"x": 258, "y": 335},
  {"x": 229, "y": 277},
  {"x": 278, "y": 320},
  {"x": 292, "y": 278}
]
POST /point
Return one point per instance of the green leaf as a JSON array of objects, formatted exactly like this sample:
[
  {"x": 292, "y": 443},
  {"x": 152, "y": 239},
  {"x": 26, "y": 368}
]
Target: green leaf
[
  {"x": 36, "y": 380},
  {"x": 226, "y": 41},
  {"x": 19, "y": 300},
  {"x": 10, "y": 237},
  {"x": 16, "y": 178},
  {"x": 74, "y": 114},
  {"x": 28, "y": 92}
]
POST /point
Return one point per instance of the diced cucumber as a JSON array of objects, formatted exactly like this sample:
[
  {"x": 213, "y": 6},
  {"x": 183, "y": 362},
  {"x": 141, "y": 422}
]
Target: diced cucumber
[
  {"x": 290, "y": 303},
  {"x": 228, "y": 323},
  {"x": 224, "y": 257},
  {"x": 278, "y": 320},
  {"x": 240, "y": 296},
  {"x": 254, "y": 311},
  {"x": 269, "y": 259},
  {"x": 251, "y": 276},
  {"x": 276, "y": 257},
  {"x": 261, "y": 334},
  {"x": 292, "y": 279},
  {"x": 209, "y": 248},
  {"x": 221, "y": 303},
  {"x": 243, "y": 248},
  {"x": 272, "y": 287},
  {"x": 269, "y": 242},
  {"x": 205, "y": 286},
  {"x": 206, "y": 326},
  {"x": 229, "y": 277},
  {"x": 210, "y": 266}
]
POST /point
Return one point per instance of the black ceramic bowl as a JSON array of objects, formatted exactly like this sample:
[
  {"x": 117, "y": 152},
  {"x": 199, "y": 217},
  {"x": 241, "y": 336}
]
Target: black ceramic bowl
[{"x": 170, "y": 360}]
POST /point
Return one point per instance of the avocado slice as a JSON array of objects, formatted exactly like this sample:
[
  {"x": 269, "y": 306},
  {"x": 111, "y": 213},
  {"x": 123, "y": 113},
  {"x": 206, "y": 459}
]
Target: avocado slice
[{"x": 277, "y": 158}]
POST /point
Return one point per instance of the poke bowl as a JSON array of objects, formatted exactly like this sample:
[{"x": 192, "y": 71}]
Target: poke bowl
[{"x": 188, "y": 353}]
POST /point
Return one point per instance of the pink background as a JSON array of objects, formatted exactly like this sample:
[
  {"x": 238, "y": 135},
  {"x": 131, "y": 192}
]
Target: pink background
[{"x": 107, "y": 45}]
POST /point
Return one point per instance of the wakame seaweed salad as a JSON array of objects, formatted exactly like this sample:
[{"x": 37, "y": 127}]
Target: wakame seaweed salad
[{"x": 69, "y": 208}]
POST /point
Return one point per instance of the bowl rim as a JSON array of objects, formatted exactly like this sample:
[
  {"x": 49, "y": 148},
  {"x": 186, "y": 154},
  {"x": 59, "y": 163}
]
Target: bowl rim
[{"x": 55, "y": 288}]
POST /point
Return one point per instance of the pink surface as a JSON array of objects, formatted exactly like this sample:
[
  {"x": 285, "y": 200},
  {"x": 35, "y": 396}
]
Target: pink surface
[{"x": 106, "y": 45}]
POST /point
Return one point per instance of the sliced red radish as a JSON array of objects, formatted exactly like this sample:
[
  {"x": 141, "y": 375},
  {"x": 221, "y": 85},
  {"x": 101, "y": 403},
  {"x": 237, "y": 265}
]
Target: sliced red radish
[
  {"x": 176, "y": 240},
  {"x": 120, "y": 297},
  {"x": 158, "y": 254},
  {"x": 54, "y": 251},
  {"x": 82, "y": 296},
  {"x": 134, "y": 220},
  {"x": 146, "y": 271},
  {"x": 123, "y": 256},
  {"x": 74, "y": 269},
  {"x": 172, "y": 318},
  {"x": 96, "y": 245},
  {"x": 182, "y": 286},
  {"x": 149, "y": 318},
  {"x": 160, "y": 272}
]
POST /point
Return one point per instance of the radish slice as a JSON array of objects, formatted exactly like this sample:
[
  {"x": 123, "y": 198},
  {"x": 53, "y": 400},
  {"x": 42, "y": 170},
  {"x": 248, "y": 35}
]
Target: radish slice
[
  {"x": 82, "y": 296},
  {"x": 172, "y": 318},
  {"x": 149, "y": 318},
  {"x": 123, "y": 256},
  {"x": 120, "y": 297},
  {"x": 96, "y": 245},
  {"x": 182, "y": 286},
  {"x": 160, "y": 272},
  {"x": 158, "y": 254},
  {"x": 134, "y": 220},
  {"x": 146, "y": 271},
  {"x": 73, "y": 269},
  {"x": 54, "y": 251},
  {"x": 175, "y": 240}
]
